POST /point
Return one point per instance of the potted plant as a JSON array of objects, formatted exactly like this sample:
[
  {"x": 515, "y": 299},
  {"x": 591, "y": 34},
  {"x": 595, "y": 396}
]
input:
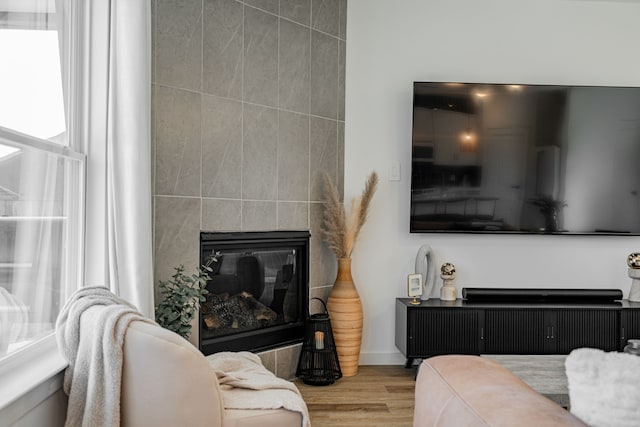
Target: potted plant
[
  {"x": 550, "y": 209},
  {"x": 182, "y": 296}
]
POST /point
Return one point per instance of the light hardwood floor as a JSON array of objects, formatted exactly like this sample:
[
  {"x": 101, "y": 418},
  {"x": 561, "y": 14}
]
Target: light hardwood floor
[{"x": 377, "y": 396}]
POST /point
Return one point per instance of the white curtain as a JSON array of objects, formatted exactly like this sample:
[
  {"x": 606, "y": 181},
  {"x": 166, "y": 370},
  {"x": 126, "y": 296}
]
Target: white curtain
[
  {"x": 38, "y": 241},
  {"x": 130, "y": 264},
  {"x": 109, "y": 44}
]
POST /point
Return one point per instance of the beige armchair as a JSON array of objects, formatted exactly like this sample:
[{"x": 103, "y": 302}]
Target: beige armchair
[
  {"x": 168, "y": 382},
  {"x": 126, "y": 370}
]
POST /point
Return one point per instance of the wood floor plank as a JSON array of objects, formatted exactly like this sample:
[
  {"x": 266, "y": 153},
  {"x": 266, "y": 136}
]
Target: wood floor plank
[
  {"x": 348, "y": 407},
  {"x": 399, "y": 388}
]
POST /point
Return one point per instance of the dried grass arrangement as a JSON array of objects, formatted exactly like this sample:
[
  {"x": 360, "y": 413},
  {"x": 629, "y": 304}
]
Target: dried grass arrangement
[{"x": 341, "y": 229}]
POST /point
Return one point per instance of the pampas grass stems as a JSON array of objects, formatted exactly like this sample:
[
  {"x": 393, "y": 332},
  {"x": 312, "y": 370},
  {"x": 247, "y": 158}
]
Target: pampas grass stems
[
  {"x": 341, "y": 231},
  {"x": 334, "y": 219}
]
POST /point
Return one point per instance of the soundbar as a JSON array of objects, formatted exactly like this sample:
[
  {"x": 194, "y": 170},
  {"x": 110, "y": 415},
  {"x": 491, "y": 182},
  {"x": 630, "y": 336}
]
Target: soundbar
[{"x": 541, "y": 295}]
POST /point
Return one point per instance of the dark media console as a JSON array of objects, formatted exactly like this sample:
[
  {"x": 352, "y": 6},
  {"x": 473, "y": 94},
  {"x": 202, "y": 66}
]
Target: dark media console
[{"x": 436, "y": 327}]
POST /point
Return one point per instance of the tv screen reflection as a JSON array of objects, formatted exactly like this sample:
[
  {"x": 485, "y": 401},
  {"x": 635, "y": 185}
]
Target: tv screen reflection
[{"x": 525, "y": 159}]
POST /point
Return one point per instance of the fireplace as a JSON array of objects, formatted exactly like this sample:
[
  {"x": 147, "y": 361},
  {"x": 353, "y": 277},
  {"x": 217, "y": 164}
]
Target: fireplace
[{"x": 258, "y": 293}]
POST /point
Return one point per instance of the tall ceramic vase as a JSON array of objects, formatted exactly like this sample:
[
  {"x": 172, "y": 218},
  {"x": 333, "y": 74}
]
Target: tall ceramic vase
[{"x": 345, "y": 311}]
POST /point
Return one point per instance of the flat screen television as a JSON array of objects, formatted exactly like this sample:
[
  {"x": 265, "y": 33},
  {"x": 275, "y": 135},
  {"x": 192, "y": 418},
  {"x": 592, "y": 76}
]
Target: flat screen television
[{"x": 515, "y": 158}]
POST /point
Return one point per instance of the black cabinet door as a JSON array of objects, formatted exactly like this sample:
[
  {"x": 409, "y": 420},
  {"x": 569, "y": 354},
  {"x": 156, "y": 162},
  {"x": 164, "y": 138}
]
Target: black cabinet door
[
  {"x": 586, "y": 328},
  {"x": 442, "y": 331},
  {"x": 515, "y": 331},
  {"x": 629, "y": 327}
]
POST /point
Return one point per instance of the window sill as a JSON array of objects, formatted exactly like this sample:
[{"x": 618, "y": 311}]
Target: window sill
[{"x": 29, "y": 376}]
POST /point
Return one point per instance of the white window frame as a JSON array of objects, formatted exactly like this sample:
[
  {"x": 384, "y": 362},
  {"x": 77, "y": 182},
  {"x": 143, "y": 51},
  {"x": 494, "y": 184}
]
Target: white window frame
[
  {"x": 23, "y": 370},
  {"x": 32, "y": 374}
]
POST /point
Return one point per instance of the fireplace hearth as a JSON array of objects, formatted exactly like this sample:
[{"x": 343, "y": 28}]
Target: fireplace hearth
[{"x": 258, "y": 292}]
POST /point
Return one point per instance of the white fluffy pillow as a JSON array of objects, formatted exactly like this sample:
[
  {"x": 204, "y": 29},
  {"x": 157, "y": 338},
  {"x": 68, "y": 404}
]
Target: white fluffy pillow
[{"x": 604, "y": 388}]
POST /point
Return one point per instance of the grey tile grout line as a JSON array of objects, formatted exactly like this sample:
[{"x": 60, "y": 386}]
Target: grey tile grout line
[
  {"x": 309, "y": 118},
  {"x": 250, "y": 103},
  {"x": 242, "y": 128},
  {"x": 310, "y": 26},
  {"x": 201, "y": 110},
  {"x": 277, "y": 177}
]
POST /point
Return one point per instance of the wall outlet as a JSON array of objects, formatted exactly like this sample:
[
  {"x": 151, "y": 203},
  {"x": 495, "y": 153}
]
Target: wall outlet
[{"x": 394, "y": 173}]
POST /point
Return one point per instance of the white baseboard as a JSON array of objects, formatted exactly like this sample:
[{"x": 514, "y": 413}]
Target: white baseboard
[{"x": 382, "y": 359}]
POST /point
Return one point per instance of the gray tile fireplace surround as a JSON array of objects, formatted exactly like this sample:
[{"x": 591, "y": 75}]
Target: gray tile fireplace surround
[{"x": 248, "y": 113}]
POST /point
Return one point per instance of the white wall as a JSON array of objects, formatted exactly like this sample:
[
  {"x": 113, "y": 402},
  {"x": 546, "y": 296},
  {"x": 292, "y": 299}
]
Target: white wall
[{"x": 390, "y": 44}]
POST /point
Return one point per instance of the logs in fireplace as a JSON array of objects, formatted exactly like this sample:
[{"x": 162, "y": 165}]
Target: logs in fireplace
[
  {"x": 224, "y": 313},
  {"x": 258, "y": 294}
]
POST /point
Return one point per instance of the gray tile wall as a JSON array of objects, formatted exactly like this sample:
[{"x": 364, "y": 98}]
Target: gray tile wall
[{"x": 248, "y": 113}]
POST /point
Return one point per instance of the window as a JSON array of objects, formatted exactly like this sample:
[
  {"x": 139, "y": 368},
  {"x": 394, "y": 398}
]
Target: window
[{"x": 41, "y": 179}]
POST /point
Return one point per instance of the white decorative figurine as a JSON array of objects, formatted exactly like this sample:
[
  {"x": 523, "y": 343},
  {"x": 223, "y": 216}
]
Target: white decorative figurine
[
  {"x": 448, "y": 274},
  {"x": 426, "y": 265},
  {"x": 633, "y": 261}
]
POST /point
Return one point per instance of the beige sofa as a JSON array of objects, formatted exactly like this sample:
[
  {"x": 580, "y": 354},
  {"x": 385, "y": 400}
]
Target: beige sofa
[
  {"x": 474, "y": 391},
  {"x": 166, "y": 381}
]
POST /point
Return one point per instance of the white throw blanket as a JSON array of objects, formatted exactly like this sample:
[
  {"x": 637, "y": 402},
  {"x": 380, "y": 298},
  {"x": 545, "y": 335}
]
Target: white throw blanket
[
  {"x": 247, "y": 384},
  {"x": 604, "y": 388},
  {"x": 92, "y": 379}
]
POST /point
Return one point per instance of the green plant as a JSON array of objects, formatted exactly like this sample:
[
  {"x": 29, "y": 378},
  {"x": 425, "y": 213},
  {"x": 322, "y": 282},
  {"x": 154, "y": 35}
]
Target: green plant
[
  {"x": 182, "y": 295},
  {"x": 550, "y": 209},
  {"x": 547, "y": 205}
]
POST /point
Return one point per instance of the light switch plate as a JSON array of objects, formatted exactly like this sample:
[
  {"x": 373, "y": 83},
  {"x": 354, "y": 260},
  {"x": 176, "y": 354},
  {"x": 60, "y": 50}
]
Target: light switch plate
[{"x": 394, "y": 172}]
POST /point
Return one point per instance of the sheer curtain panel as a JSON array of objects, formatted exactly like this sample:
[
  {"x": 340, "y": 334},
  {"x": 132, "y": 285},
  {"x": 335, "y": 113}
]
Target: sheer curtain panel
[
  {"x": 113, "y": 97},
  {"x": 130, "y": 268}
]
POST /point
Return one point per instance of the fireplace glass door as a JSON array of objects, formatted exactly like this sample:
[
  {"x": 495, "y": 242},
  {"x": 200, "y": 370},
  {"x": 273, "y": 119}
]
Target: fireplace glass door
[{"x": 258, "y": 286}]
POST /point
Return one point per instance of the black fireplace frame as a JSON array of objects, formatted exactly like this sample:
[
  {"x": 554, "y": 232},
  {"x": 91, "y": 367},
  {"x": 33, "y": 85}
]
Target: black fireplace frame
[{"x": 264, "y": 338}]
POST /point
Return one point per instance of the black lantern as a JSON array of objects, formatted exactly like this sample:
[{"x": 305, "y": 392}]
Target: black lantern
[{"x": 318, "y": 363}]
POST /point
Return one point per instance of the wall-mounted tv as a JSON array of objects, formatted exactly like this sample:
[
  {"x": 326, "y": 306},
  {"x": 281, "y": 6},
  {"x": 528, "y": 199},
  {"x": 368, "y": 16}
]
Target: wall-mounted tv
[{"x": 515, "y": 158}]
